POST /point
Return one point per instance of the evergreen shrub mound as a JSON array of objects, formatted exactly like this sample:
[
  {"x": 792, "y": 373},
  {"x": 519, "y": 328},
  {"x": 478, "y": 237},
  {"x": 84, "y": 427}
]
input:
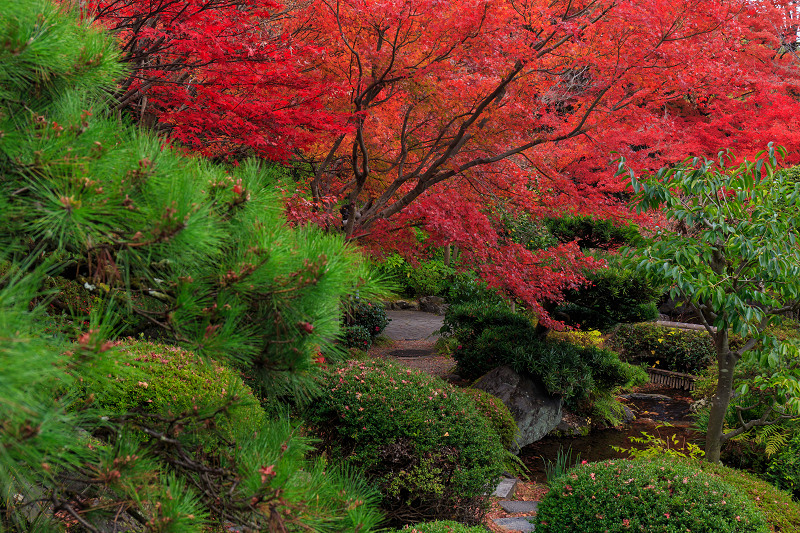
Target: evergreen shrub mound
[
  {"x": 497, "y": 414},
  {"x": 422, "y": 441},
  {"x": 442, "y": 526},
  {"x": 362, "y": 322},
  {"x": 613, "y": 295},
  {"x": 781, "y": 511},
  {"x": 593, "y": 233},
  {"x": 168, "y": 380},
  {"x": 488, "y": 336},
  {"x": 650, "y": 496},
  {"x": 670, "y": 349},
  {"x": 492, "y": 337}
]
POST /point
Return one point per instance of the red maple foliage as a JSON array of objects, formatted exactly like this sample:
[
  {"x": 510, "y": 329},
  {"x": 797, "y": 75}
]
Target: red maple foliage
[
  {"x": 223, "y": 77},
  {"x": 439, "y": 115}
]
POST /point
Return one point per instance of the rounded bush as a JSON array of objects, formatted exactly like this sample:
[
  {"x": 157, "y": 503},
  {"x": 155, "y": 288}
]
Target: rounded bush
[
  {"x": 442, "y": 526},
  {"x": 671, "y": 349},
  {"x": 169, "y": 380},
  {"x": 650, "y": 496},
  {"x": 497, "y": 414},
  {"x": 423, "y": 442},
  {"x": 372, "y": 316},
  {"x": 356, "y": 337}
]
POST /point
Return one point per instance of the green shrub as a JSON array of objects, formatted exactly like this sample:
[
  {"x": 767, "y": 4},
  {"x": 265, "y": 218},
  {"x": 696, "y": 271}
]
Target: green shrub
[
  {"x": 657, "y": 496},
  {"x": 370, "y": 315},
  {"x": 487, "y": 335},
  {"x": 356, "y": 337},
  {"x": 671, "y": 349},
  {"x": 430, "y": 278},
  {"x": 169, "y": 380},
  {"x": 497, "y": 414},
  {"x": 592, "y": 233},
  {"x": 427, "y": 278},
  {"x": 443, "y": 526},
  {"x": 422, "y": 441},
  {"x": 782, "y": 513},
  {"x": 613, "y": 295},
  {"x": 581, "y": 375}
]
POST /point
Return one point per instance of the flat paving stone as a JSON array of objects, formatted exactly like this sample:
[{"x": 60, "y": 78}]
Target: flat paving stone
[
  {"x": 506, "y": 487},
  {"x": 515, "y": 524},
  {"x": 511, "y": 506}
]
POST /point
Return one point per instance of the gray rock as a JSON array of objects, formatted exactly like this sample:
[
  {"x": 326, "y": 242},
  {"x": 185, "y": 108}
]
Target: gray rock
[
  {"x": 643, "y": 396},
  {"x": 506, "y": 487},
  {"x": 535, "y": 411},
  {"x": 515, "y": 524},
  {"x": 511, "y": 506},
  {"x": 432, "y": 304},
  {"x": 403, "y": 305}
]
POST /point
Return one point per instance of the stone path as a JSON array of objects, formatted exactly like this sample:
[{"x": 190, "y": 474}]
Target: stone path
[{"x": 413, "y": 325}]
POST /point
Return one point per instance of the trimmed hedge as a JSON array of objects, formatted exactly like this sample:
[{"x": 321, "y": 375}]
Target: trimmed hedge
[
  {"x": 430, "y": 451},
  {"x": 650, "y": 496}
]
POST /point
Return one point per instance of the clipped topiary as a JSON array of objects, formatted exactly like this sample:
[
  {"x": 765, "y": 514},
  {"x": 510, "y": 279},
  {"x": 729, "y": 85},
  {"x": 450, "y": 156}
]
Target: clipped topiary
[
  {"x": 422, "y": 441},
  {"x": 168, "y": 380},
  {"x": 650, "y": 496}
]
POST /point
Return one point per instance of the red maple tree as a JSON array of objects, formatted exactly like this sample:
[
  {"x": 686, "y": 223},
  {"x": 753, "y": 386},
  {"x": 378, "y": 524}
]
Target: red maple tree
[
  {"x": 459, "y": 108},
  {"x": 439, "y": 115}
]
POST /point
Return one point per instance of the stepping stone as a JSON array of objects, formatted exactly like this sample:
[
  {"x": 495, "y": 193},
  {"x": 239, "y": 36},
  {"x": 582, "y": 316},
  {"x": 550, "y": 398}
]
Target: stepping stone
[
  {"x": 506, "y": 487},
  {"x": 644, "y": 396},
  {"x": 515, "y": 524},
  {"x": 511, "y": 506}
]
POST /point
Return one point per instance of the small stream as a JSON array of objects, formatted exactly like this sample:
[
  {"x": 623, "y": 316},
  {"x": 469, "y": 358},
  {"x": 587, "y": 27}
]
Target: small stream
[{"x": 596, "y": 446}]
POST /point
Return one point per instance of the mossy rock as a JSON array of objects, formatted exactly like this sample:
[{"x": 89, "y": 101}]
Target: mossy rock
[{"x": 169, "y": 381}]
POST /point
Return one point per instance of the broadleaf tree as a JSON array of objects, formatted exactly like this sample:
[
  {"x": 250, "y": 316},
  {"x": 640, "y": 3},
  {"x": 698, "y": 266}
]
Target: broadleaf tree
[{"x": 731, "y": 250}]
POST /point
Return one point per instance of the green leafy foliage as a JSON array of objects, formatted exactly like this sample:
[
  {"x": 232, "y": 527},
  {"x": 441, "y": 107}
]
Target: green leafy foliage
[
  {"x": 496, "y": 413},
  {"x": 492, "y": 337},
  {"x": 658, "y": 446},
  {"x": 783, "y": 467},
  {"x": 653, "y": 495},
  {"x": 431, "y": 277},
  {"x": 370, "y": 315},
  {"x": 668, "y": 348},
  {"x": 432, "y": 453},
  {"x": 487, "y": 335},
  {"x": 561, "y": 465},
  {"x": 356, "y": 336},
  {"x": 442, "y": 526},
  {"x": 593, "y": 233},
  {"x": 732, "y": 253},
  {"x": 781, "y": 512},
  {"x": 612, "y": 295}
]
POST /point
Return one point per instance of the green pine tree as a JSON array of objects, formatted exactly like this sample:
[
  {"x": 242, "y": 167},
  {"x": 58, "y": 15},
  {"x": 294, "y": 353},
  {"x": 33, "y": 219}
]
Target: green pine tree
[{"x": 106, "y": 231}]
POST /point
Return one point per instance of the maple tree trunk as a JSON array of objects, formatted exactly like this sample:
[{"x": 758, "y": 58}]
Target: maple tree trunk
[{"x": 721, "y": 399}]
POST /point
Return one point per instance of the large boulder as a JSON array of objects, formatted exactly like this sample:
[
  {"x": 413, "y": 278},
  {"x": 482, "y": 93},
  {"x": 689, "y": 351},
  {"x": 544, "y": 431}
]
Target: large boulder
[
  {"x": 433, "y": 304},
  {"x": 535, "y": 411}
]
